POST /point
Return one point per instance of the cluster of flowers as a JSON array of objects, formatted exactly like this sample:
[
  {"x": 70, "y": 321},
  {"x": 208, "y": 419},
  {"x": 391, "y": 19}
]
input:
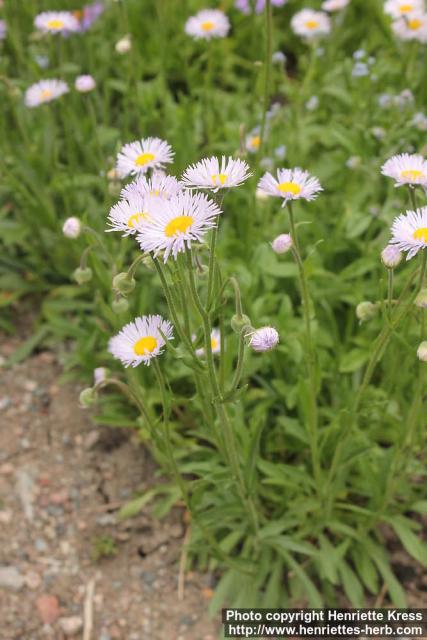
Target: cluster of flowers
[
  {"x": 48, "y": 90},
  {"x": 409, "y": 19}
]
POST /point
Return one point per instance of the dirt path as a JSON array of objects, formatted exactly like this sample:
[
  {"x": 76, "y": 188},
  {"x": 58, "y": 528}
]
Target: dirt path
[{"x": 61, "y": 480}]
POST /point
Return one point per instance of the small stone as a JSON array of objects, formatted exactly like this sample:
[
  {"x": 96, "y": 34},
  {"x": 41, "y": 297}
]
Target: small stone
[
  {"x": 40, "y": 545},
  {"x": 5, "y": 403},
  {"x": 71, "y": 626},
  {"x": 32, "y": 580},
  {"x": 10, "y": 578},
  {"x": 59, "y": 497},
  {"x": 25, "y": 486},
  {"x": 30, "y": 385},
  {"x": 48, "y": 608},
  {"x": 5, "y": 516},
  {"x": 91, "y": 439},
  {"x": 7, "y": 469}
]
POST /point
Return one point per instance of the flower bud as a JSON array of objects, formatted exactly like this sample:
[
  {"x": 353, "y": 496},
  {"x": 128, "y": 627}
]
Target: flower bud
[
  {"x": 238, "y": 323},
  {"x": 421, "y": 299},
  {"x": 124, "y": 45},
  {"x": 422, "y": 351},
  {"x": 282, "y": 243},
  {"x": 264, "y": 339},
  {"x": 120, "y": 305},
  {"x": 100, "y": 374},
  {"x": 84, "y": 83},
  {"x": 391, "y": 256},
  {"x": 124, "y": 283},
  {"x": 87, "y": 398},
  {"x": 72, "y": 228},
  {"x": 82, "y": 275},
  {"x": 366, "y": 310}
]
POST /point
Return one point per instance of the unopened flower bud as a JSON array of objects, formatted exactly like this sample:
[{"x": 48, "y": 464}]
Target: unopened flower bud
[
  {"x": 100, "y": 374},
  {"x": 264, "y": 339},
  {"x": 72, "y": 227},
  {"x": 282, "y": 243},
  {"x": 124, "y": 45},
  {"x": 87, "y": 398},
  {"x": 123, "y": 283},
  {"x": 421, "y": 299},
  {"x": 422, "y": 351},
  {"x": 391, "y": 256},
  {"x": 82, "y": 275},
  {"x": 120, "y": 305},
  {"x": 84, "y": 83},
  {"x": 366, "y": 310},
  {"x": 239, "y": 322}
]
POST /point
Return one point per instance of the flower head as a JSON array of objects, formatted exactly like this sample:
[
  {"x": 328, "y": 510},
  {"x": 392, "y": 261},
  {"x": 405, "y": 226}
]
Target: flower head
[
  {"x": 291, "y": 184},
  {"x": 406, "y": 169},
  {"x": 334, "y": 5},
  {"x": 159, "y": 185},
  {"x": 44, "y": 91},
  {"x": 3, "y": 29},
  {"x": 141, "y": 340},
  {"x": 56, "y": 22},
  {"x": 422, "y": 352},
  {"x": 141, "y": 155},
  {"x": 129, "y": 214},
  {"x": 208, "y": 24},
  {"x": 124, "y": 45},
  {"x": 100, "y": 375},
  {"x": 310, "y": 24},
  {"x": 177, "y": 223},
  {"x": 282, "y": 243},
  {"x": 72, "y": 227},
  {"x": 403, "y": 8},
  {"x": 409, "y": 231},
  {"x": 245, "y": 6},
  {"x": 215, "y": 174},
  {"x": 89, "y": 14},
  {"x": 264, "y": 339},
  {"x": 391, "y": 256},
  {"x": 412, "y": 27},
  {"x": 215, "y": 344},
  {"x": 84, "y": 83},
  {"x": 253, "y": 140}
]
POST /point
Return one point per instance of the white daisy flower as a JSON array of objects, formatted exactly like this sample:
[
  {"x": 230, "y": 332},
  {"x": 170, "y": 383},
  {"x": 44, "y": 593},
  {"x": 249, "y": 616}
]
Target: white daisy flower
[
  {"x": 141, "y": 340},
  {"x": 412, "y": 27},
  {"x": 291, "y": 184},
  {"x": 44, "y": 91},
  {"x": 335, "y": 5},
  {"x": 129, "y": 214},
  {"x": 402, "y": 8},
  {"x": 208, "y": 24},
  {"x": 177, "y": 222},
  {"x": 264, "y": 339},
  {"x": 215, "y": 174},
  {"x": 160, "y": 185},
  {"x": 141, "y": 155},
  {"x": 253, "y": 141},
  {"x": 309, "y": 24},
  {"x": 215, "y": 344},
  {"x": 409, "y": 232},
  {"x": 406, "y": 168},
  {"x": 56, "y": 22}
]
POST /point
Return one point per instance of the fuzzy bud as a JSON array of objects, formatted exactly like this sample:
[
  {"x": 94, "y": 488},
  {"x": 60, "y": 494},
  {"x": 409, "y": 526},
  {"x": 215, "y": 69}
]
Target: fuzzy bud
[
  {"x": 421, "y": 299},
  {"x": 84, "y": 83},
  {"x": 87, "y": 398},
  {"x": 100, "y": 374},
  {"x": 124, "y": 45},
  {"x": 82, "y": 275},
  {"x": 366, "y": 311},
  {"x": 238, "y": 323},
  {"x": 282, "y": 243},
  {"x": 72, "y": 228},
  {"x": 123, "y": 283},
  {"x": 120, "y": 305},
  {"x": 422, "y": 351},
  {"x": 391, "y": 256},
  {"x": 264, "y": 339}
]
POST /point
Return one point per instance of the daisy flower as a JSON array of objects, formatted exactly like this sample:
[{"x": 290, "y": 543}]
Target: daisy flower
[
  {"x": 141, "y": 155},
  {"x": 402, "y": 8},
  {"x": 264, "y": 339},
  {"x": 130, "y": 213},
  {"x": 177, "y": 222},
  {"x": 160, "y": 185},
  {"x": 253, "y": 141},
  {"x": 56, "y": 22},
  {"x": 291, "y": 184},
  {"x": 406, "y": 168},
  {"x": 413, "y": 27},
  {"x": 409, "y": 232},
  {"x": 215, "y": 174},
  {"x": 141, "y": 340},
  {"x": 44, "y": 91},
  {"x": 309, "y": 24},
  {"x": 245, "y": 7},
  {"x": 89, "y": 14},
  {"x": 208, "y": 24},
  {"x": 215, "y": 344},
  {"x": 335, "y": 5}
]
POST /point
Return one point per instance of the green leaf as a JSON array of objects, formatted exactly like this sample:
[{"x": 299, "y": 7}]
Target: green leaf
[{"x": 412, "y": 543}]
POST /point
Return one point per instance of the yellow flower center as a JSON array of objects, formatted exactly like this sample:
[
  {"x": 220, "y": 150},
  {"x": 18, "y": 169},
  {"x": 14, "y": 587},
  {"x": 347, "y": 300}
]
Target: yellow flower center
[
  {"x": 178, "y": 225},
  {"x": 255, "y": 142},
  {"x": 311, "y": 24},
  {"x": 219, "y": 178},
  {"x": 406, "y": 8},
  {"x": 55, "y": 24},
  {"x": 208, "y": 25},
  {"x": 135, "y": 219},
  {"x": 289, "y": 187},
  {"x": 145, "y": 345},
  {"x": 45, "y": 94},
  {"x": 421, "y": 234},
  {"x": 214, "y": 344},
  {"x": 415, "y": 24},
  {"x": 144, "y": 159},
  {"x": 412, "y": 174}
]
